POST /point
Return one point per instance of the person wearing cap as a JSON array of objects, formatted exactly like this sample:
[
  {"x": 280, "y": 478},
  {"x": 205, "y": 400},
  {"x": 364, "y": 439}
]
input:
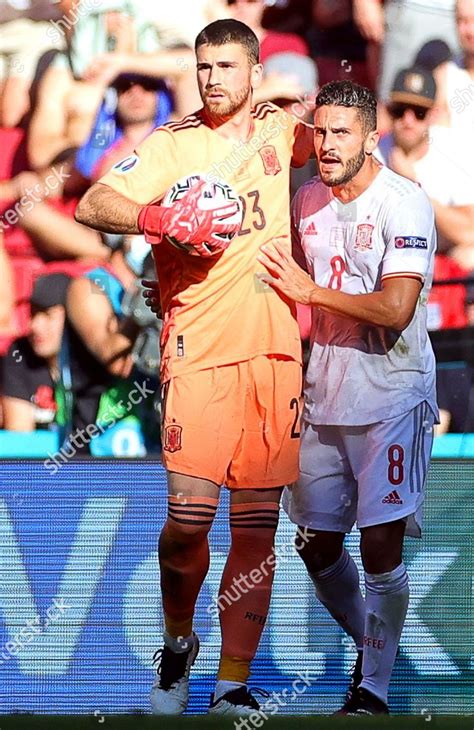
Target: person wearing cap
[
  {"x": 30, "y": 369},
  {"x": 305, "y": 73},
  {"x": 410, "y": 106},
  {"x": 435, "y": 157},
  {"x": 429, "y": 154}
]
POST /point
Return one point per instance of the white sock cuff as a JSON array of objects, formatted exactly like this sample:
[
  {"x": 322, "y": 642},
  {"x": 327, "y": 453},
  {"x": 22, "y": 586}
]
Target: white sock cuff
[
  {"x": 179, "y": 644},
  {"x": 394, "y": 580},
  {"x": 333, "y": 571},
  {"x": 224, "y": 685}
]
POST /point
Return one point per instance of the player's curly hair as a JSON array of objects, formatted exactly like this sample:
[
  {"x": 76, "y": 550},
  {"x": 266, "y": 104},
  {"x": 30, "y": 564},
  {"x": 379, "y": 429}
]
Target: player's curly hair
[
  {"x": 229, "y": 30},
  {"x": 347, "y": 93}
]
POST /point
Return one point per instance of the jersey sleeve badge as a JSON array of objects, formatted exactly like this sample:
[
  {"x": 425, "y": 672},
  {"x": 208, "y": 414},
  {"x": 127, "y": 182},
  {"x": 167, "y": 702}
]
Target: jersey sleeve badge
[
  {"x": 415, "y": 242},
  {"x": 125, "y": 165}
]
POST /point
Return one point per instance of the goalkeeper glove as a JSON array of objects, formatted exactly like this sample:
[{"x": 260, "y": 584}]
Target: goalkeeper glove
[{"x": 188, "y": 223}]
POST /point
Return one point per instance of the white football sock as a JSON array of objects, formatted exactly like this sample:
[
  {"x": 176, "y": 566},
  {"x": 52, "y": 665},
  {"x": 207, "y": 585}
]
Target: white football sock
[
  {"x": 337, "y": 587},
  {"x": 386, "y": 598},
  {"x": 180, "y": 644},
  {"x": 224, "y": 685}
]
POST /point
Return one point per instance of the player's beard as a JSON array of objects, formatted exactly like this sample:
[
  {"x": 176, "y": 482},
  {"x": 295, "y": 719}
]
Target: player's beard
[
  {"x": 351, "y": 168},
  {"x": 229, "y": 107}
]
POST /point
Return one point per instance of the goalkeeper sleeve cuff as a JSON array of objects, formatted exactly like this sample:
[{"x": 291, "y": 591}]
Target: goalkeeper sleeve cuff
[{"x": 150, "y": 222}]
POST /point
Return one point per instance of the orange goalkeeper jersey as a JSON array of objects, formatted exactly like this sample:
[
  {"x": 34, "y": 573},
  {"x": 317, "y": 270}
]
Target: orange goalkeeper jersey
[{"x": 216, "y": 311}]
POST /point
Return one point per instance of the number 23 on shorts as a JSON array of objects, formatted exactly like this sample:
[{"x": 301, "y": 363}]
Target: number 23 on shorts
[{"x": 295, "y": 406}]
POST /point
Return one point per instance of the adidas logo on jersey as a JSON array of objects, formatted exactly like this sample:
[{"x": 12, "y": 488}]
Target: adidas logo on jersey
[
  {"x": 392, "y": 498},
  {"x": 310, "y": 230}
]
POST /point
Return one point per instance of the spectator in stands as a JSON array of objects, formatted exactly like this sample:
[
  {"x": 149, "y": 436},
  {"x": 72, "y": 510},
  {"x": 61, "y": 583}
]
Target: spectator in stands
[
  {"x": 66, "y": 102},
  {"x": 470, "y": 305},
  {"x": 100, "y": 341},
  {"x": 23, "y": 260},
  {"x": 251, "y": 13},
  {"x": 436, "y": 158},
  {"x": 6, "y": 293},
  {"x": 455, "y": 78},
  {"x": 341, "y": 51},
  {"x": 46, "y": 214},
  {"x": 306, "y": 75},
  {"x": 289, "y": 16},
  {"x": 429, "y": 155},
  {"x": 31, "y": 368},
  {"x": 23, "y": 40},
  {"x": 455, "y": 380},
  {"x": 112, "y": 35},
  {"x": 141, "y": 104},
  {"x": 299, "y": 103},
  {"x": 455, "y": 396},
  {"x": 433, "y": 54},
  {"x": 33, "y": 202},
  {"x": 178, "y": 23},
  {"x": 402, "y": 27},
  {"x": 275, "y": 85},
  {"x": 447, "y": 304}
]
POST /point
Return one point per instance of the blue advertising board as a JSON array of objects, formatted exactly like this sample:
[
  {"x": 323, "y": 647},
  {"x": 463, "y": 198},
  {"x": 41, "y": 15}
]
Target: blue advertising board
[{"x": 80, "y": 613}]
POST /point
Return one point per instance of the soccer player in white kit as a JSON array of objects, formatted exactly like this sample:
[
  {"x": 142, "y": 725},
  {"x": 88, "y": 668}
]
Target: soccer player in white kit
[{"x": 366, "y": 236}]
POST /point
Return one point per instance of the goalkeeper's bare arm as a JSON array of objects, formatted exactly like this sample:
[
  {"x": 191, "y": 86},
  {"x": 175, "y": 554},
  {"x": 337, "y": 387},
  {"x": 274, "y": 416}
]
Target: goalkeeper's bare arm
[
  {"x": 107, "y": 210},
  {"x": 112, "y": 212}
]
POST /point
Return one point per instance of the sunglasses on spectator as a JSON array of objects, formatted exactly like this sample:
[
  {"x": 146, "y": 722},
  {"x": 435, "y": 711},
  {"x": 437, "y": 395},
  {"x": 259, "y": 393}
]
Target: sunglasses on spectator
[
  {"x": 397, "y": 111},
  {"x": 126, "y": 85},
  {"x": 234, "y": 2}
]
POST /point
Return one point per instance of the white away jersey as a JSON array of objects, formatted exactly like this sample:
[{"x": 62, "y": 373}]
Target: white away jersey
[{"x": 359, "y": 373}]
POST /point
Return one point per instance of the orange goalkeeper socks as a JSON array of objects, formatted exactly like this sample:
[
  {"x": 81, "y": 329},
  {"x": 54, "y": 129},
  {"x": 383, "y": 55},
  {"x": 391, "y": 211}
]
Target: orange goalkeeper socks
[
  {"x": 244, "y": 594},
  {"x": 184, "y": 559}
]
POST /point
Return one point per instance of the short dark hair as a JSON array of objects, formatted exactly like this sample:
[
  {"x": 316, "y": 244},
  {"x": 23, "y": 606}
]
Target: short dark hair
[
  {"x": 347, "y": 93},
  {"x": 221, "y": 32}
]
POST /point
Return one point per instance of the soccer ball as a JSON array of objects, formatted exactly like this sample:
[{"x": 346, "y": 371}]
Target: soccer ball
[{"x": 214, "y": 194}]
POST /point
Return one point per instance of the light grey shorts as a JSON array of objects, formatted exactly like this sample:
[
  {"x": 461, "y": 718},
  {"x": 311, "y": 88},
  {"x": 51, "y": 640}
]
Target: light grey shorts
[{"x": 370, "y": 474}]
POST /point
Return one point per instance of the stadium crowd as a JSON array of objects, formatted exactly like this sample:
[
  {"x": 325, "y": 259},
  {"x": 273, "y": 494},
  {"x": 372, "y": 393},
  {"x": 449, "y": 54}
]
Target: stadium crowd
[{"x": 83, "y": 83}]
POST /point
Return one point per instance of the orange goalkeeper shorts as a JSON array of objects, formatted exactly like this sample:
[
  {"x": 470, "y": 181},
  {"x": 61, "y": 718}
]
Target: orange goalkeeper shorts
[{"x": 237, "y": 425}]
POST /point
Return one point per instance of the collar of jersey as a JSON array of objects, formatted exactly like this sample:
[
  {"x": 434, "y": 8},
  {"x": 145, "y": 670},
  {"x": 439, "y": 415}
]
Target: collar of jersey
[{"x": 335, "y": 203}]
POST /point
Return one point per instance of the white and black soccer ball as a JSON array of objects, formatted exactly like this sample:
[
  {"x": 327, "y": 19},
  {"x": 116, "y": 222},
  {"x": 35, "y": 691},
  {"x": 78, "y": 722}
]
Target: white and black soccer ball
[{"x": 213, "y": 195}]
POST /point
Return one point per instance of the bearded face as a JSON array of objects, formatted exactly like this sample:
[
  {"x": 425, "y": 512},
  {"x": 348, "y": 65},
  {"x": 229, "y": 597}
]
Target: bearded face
[
  {"x": 339, "y": 143},
  {"x": 224, "y": 76}
]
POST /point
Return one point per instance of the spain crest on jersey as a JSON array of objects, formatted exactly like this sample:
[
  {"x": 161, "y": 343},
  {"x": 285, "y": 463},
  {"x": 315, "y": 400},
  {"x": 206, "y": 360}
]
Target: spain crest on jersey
[
  {"x": 172, "y": 438},
  {"x": 271, "y": 163},
  {"x": 363, "y": 240}
]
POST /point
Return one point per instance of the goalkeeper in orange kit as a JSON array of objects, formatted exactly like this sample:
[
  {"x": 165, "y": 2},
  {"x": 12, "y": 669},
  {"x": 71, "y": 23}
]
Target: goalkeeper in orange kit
[{"x": 231, "y": 354}]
